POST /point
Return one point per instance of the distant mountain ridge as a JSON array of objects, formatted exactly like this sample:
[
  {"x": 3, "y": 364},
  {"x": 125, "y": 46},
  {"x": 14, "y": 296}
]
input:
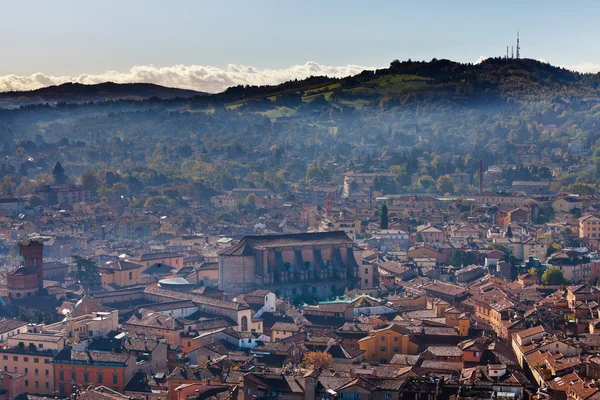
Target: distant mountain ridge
[{"x": 73, "y": 92}]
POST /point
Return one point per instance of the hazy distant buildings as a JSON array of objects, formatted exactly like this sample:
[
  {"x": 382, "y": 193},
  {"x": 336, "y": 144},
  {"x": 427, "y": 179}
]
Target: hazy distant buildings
[
  {"x": 316, "y": 194},
  {"x": 11, "y": 206},
  {"x": 531, "y": 186},
  {"x": 363, "y": 182},
  {"x": 64, "y": 194}
]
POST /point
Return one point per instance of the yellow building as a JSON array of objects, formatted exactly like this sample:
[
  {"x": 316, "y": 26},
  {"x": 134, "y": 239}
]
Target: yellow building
[
  {"x": 382, "y": 344},
  {"x": 282, "y": 330},
  {"x": 589, "y": 227},
  {"x": 166, "y": 257},
  {"x": 119, "y": 274},
  {"x": 94, "y": 324},
  {"x": 32, "y": 354}
]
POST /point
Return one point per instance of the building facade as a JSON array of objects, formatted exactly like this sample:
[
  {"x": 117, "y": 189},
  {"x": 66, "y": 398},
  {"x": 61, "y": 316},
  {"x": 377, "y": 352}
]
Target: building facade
[{"x": 317, "y": 264}]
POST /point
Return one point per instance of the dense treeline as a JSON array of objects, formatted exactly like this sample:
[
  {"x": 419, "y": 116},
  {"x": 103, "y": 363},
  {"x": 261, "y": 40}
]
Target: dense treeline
[{"x": 422, "y": 121}]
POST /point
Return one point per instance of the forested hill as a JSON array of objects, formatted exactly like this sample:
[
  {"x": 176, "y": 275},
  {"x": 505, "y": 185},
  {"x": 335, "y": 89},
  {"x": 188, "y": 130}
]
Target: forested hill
[
  {"x": 411, "y": 82},
  {"x": 77, "y": 93},
  {"x": 419, "y": 120}
]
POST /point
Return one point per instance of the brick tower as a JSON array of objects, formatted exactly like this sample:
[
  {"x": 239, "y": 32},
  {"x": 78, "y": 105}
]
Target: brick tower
[{"x": 32, "y": 258}]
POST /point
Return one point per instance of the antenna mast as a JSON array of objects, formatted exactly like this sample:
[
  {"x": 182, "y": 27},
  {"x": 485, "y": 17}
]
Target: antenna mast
[
  {"x": 518, "y": 46},
  {"x": 507, "y": 52}
]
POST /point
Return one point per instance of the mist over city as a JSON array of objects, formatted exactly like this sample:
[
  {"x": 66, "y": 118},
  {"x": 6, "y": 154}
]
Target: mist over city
[{"x": 302, "y": 201}]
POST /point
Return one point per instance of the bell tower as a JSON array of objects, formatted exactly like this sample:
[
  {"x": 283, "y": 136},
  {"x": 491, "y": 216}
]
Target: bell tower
[{"x": 32, "y": 258}]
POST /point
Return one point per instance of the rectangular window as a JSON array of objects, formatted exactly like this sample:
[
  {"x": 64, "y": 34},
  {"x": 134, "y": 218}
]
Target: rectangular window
[
  {"x": 15, "y": 358},
  {"x": 36, "y": 371},
  {"x": 5, "y": 357},
  {"x": 86, "y": 377},
  {"x": 395, "y": 338},
  {"x": 26, "y": 382},
  {"x": 73, "y": 376},
  {"x": 47, "y": 372},
  {"x": 61, "y": 375},
  {"x": 36, "y": 360},
  {"x": 46, "y": 361},
  {"x": 47, "y": 385},
  {"x": 61, "y": 388},
  {"x": 26, "y": 359},
  {"x": 115, "y": 379},
  {"x": 382, "y": 348},
  {"x": 26, "y": 370},
  {"x": 100, "y": 378},
  {"x": 37, "y": 384}
]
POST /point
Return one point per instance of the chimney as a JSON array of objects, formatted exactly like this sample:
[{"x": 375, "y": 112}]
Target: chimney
[
  {"x": 310, "y": 384},
  {"x": 480, "y": 176}
]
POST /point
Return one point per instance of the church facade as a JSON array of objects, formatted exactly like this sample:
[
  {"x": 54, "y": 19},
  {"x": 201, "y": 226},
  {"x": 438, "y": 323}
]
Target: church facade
[{"x": 319, "y": 265}]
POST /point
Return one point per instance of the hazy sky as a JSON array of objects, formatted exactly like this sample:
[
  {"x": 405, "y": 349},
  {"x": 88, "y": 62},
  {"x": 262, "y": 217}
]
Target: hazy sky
[{"x": 61, "y": 39}]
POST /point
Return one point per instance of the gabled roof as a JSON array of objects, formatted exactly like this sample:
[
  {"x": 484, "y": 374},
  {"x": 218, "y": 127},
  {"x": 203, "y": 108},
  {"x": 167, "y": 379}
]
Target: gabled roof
[
  {"x": 119, "y": 265},
  {"x": 295, "y": 239}
]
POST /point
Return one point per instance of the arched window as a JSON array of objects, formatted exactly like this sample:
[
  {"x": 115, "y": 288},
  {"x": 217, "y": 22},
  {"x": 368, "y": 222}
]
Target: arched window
[{"x": 244, "y": 324}]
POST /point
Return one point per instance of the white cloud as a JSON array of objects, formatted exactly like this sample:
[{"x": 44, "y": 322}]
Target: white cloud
[
  {"x": 196, "y": 77},
  {"x": 586, "y": 67},
  {"x": 481, "y": 59}
]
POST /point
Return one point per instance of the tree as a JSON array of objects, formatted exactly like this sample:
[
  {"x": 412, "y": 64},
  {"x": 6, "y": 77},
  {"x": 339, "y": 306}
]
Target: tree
[
  {"x": 157, "y": 201},
  {"x": 509, "y": 233},
  {"x": 318, "y": 360},
  {"x": 569, "y": 239},
  {"x": 426, "y": 182},
  {"x": 384, "y": 217},
  {"x": 419, "y": 238},
  {"x": 35, "y": 200},
  {"x": 511, "y": 259},
  {"x": 553, "y": 276},
  {"x": 44, "y": 178},
  {"x": 461, "y": 258},
  {"x": 58, "y": 173},
  {"x": 445, "y": 184},
  {"x": 90, "y": 181},
  {"x": 553, "y": 247},
  {"x": 533, "y": 271},
  {"x": 87, "y": 272}
]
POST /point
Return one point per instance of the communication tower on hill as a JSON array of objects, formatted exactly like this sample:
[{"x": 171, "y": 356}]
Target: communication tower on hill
[{"x": 518, "y": 47}]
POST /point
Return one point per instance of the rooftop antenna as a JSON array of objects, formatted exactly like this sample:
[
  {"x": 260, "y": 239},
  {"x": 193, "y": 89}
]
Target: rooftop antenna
[
  {"x": 507, "y": 52},
  {"x": 518, "y": 46},
  {"x": 512, "y": 51}
]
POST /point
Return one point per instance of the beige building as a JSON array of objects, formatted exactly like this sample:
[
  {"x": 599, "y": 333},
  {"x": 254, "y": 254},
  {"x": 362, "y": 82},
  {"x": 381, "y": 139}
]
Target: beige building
[
  {"x": 347, "y": 225},
  {"x": 95, "y": 324},
  {"x": 147, "y": 259},
  {"x": 382, "y": 344},
  {"x": 282, "y": 330},
  {"x": 589, "y": 227},
  {"x": 32, "y": 355},
  {"x": 566, "y": 204},
  {"x": 119, "y": 273},
  {"x": 11, "y": 327}
]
